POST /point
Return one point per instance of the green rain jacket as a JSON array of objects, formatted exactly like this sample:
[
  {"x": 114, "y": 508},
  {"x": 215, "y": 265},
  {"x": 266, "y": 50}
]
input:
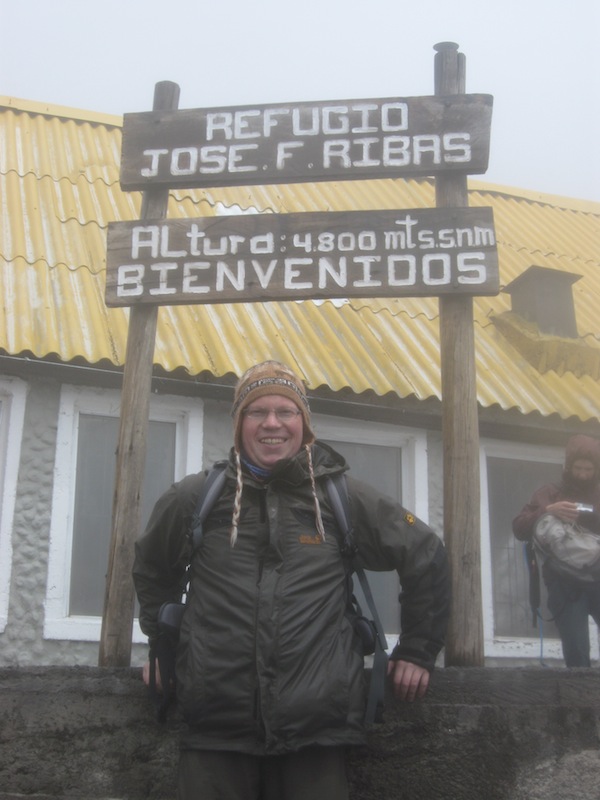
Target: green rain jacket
[{"x": 268, "y": 661}]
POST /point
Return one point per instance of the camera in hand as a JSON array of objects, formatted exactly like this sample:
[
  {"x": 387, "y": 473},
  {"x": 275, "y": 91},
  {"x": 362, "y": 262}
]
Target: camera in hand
[{"x": 587, "y": 517}]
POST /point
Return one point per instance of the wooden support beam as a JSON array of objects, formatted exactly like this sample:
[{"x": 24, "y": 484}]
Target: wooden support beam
[
  {"x": 459, "y": 421},
  {"x": 117, "y": 619}
]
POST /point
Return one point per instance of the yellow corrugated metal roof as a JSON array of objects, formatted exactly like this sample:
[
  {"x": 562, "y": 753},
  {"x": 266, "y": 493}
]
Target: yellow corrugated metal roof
[{"x": 59, "y": 190}]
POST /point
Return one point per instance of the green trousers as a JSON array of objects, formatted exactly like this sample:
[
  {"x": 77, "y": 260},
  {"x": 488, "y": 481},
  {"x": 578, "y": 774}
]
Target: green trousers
[{"x": 316, "y": 773}]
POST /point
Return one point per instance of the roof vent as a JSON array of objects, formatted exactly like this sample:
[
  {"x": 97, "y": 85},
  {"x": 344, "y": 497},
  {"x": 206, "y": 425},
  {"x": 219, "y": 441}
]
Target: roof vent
[{"x": 544, "y": 297}]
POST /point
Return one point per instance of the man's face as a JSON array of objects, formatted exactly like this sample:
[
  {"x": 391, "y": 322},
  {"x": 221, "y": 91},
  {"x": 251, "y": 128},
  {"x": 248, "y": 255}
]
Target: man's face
[
  {"x": 583, "y": 471},
  {"x": 268, "y": 438}
]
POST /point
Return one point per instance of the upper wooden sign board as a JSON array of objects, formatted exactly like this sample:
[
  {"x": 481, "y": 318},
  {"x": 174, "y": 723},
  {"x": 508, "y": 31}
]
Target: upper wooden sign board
[{"x": 321, "y": 141}]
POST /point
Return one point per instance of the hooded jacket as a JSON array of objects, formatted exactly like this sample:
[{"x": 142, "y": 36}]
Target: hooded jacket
[
  {"x": 578, "y": 447},
  {"x": 268, "y": 661}
]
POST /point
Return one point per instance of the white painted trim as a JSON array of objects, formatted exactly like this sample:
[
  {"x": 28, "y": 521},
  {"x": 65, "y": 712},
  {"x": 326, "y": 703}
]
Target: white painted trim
[
  {"x": 186, "y": 413},
  {"x": 13, "y": 394},
  {"x": 189, "y": 415}
]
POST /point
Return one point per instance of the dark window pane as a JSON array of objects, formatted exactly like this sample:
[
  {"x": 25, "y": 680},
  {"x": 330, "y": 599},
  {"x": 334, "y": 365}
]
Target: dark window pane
[{"x": 94, "y": 488}]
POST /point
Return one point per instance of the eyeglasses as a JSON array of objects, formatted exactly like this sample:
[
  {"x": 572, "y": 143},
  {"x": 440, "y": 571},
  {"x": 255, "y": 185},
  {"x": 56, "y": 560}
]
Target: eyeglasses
[{"x": 262, "y": 414}]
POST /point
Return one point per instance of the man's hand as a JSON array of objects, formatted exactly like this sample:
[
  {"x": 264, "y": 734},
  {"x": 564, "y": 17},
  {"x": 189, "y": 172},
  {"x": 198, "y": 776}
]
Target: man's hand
[
  {"x": 409, "y": 681},
  {"x": 564, "y": 510},
  {"x": 146, "y": 675}
]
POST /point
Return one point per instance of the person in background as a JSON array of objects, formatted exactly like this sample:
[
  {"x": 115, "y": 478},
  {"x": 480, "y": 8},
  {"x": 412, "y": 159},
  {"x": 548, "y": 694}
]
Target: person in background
[
  {"x": 269, "y": 670},
  {"x": 570, "y": 602}
]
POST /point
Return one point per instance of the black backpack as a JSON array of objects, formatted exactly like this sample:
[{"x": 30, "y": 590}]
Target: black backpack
[{"x": 369, "y": 631}]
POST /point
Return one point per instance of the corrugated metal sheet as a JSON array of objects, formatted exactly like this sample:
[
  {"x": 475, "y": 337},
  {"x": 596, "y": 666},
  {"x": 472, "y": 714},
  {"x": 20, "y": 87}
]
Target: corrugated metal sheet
[{"x": 59, "y": 189}]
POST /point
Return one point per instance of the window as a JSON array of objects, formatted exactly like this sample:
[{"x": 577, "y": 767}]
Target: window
[
  {"x": 390, "y": 459},
  {"x": 94, "y": 486},
  {"x": 13, "y": 393},
  {"x": 80, "y": 532},
  {"x": 510, "y": 475}
]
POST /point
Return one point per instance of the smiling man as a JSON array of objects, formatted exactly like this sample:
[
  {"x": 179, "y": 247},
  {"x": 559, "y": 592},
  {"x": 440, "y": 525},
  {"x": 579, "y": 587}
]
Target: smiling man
[
  {"x": 269, "y": 668},
  {"x": 274, "y": 420}
]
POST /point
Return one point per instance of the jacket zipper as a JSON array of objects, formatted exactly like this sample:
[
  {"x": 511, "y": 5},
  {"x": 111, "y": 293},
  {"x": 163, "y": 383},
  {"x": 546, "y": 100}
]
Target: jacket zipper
[{"x": 260, "y": 726}]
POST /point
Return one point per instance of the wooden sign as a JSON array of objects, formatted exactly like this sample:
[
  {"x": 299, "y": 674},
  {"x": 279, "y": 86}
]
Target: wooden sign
[
  {"x": 324, "y": 141},
  {"x": 262, "y": 257}
]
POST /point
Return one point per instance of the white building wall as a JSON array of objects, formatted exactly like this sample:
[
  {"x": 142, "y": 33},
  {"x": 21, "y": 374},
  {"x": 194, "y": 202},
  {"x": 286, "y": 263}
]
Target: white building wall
[{"x": 22, "y": 643}]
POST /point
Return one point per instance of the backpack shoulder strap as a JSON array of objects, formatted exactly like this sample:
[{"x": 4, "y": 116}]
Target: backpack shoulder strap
[
  {"x": 163, "y": 648},
  {"x": 337, "y": 490},
  {"x": 209, "y": 492}
]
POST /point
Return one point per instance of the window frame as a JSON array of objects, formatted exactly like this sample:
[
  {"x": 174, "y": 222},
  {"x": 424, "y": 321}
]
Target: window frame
[
  {"x": 513, "y": 646},
  {"x": 412, "y": 443},
  {"x": 13, "y": 393},
  {"x": 188, "y": 416}
]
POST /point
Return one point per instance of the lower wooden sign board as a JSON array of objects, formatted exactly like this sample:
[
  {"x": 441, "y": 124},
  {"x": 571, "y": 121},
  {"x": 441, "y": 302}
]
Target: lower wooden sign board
[{"x": 253, "y": 258}]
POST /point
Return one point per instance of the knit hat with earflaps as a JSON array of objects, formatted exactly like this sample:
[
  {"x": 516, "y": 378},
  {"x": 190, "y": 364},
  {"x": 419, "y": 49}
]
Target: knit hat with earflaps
[{"x": 269, "y": 378}]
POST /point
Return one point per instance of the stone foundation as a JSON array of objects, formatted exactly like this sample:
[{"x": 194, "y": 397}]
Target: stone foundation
[{"x": 480, "y": 734}]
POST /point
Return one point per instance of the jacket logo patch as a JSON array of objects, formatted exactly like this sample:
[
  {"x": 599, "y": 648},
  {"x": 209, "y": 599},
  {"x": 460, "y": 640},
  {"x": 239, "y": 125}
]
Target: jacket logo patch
[
  {"x": 409, "y": 518},
  {"x": 306, "y": 539}
]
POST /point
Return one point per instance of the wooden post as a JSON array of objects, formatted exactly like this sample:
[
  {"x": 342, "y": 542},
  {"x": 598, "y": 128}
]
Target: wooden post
[
  {"x": 459, "y": 420},
  {"x": 117, "y": 620}
]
